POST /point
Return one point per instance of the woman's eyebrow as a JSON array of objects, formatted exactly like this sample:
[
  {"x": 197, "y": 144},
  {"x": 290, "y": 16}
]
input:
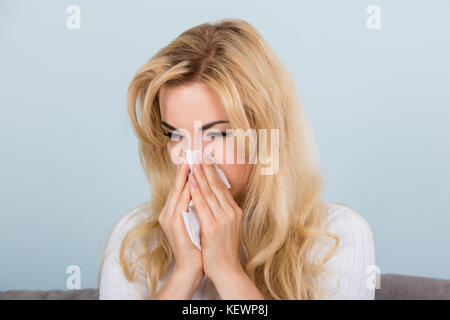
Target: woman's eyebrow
[{"x": 205, "y": 127}]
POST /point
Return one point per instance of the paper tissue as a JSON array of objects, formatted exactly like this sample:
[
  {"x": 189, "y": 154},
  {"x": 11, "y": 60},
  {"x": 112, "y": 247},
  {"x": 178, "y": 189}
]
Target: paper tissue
[{"x": 191, "y": 219}]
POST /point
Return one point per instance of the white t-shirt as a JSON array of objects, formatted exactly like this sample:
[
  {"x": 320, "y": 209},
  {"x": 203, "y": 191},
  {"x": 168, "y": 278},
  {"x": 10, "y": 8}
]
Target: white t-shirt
[{"x": 352, "y": 262}]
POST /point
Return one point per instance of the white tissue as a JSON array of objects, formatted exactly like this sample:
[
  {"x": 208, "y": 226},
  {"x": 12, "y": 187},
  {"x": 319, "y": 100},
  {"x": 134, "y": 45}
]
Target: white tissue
[{"x": 191, "y": 219}]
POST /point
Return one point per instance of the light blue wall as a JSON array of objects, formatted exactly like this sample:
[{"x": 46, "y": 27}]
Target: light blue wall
[{"x": 378, "y": 102}]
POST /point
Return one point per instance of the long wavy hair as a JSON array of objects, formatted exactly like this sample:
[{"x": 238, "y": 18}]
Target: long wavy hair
[{"x": 283, "y": 213}]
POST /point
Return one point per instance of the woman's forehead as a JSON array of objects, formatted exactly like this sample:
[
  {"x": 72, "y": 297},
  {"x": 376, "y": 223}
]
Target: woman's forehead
[{"x": 183, "y": 104}]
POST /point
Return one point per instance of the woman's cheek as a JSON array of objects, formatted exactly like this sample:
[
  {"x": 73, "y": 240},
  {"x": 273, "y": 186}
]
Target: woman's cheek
[{"x": 236, "y": 175}]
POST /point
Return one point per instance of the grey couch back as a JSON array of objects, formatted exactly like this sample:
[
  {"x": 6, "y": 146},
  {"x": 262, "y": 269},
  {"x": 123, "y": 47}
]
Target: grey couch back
[
  {"x": 393, "y": 287},
  {"x": 403, "y": 287}
]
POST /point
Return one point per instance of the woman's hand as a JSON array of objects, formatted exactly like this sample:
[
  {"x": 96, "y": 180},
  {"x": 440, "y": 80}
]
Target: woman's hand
[
  {"x": 220, "y": 219},
  {"x": 188, "y": 257}
]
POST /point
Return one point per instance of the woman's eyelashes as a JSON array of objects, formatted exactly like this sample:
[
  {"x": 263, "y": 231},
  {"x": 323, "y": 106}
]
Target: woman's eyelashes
[
  {"x": 209, "y": 134},
  {"x": 171, "y": 134},
  {"x": 218, "y": 134}
]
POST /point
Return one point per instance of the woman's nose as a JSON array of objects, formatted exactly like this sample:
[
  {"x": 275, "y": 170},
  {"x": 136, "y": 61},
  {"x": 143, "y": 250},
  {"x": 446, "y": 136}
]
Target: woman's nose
[{"x": 193, "y": 156}]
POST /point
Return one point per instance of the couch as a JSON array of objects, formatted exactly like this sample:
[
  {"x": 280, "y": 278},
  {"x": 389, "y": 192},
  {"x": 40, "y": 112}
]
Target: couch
[{"x": 392, "y": 287}]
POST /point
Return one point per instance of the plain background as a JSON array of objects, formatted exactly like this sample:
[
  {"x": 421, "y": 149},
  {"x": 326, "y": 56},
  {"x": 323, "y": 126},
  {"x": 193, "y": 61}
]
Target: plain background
[{"x": 377, "y": 100}]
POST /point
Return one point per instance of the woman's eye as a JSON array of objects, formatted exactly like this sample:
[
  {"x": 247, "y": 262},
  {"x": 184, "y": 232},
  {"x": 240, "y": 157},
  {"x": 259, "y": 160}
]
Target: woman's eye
[
  {"x": 171, "y": 134},
  {"x": 218, "y": 134}
]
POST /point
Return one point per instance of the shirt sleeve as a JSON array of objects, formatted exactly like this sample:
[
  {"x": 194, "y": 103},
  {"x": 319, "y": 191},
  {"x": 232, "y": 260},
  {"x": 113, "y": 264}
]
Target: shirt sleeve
[
  {"x": 354, "y": 259},
  {"x": 113, "y": 285}
]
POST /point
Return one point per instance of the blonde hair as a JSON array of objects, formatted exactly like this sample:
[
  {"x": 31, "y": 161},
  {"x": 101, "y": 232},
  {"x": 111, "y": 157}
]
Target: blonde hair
[{"x": 283, "y": 213}]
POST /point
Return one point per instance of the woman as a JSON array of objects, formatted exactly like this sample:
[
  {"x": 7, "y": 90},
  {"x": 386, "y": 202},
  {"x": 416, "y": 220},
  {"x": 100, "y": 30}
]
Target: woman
[{"x": 270, "y": 236}]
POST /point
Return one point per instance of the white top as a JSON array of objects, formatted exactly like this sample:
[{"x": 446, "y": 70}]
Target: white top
[{"x": 351, "y": 262}]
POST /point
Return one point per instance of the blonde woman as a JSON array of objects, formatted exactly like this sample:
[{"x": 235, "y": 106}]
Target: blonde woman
[{"x": 270, "y": 236}]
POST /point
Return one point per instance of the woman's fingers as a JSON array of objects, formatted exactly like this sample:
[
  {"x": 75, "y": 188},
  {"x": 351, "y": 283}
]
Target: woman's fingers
[
  {"x": 206, "y": 192},
  {"x": 183, "y": 200},
  {"x": 177, "y": 188},
  {"x": 204, "y": 213},
  {"x": 221, "y": 192}
]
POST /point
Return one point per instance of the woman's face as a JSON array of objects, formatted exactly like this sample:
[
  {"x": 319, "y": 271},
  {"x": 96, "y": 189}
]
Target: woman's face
[{"x": 195, "y": 101}]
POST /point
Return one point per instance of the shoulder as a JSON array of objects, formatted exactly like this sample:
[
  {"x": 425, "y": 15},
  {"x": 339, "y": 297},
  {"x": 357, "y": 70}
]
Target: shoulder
[
  {"x": 112, "y": 283},
  {"x": 352, "y": 230},
  {"x": 356, "y": 240},
  {"x": 125, "y": 223},
  {"x": 346, "y": 222},
  {"x": 355, "y": 253}
]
